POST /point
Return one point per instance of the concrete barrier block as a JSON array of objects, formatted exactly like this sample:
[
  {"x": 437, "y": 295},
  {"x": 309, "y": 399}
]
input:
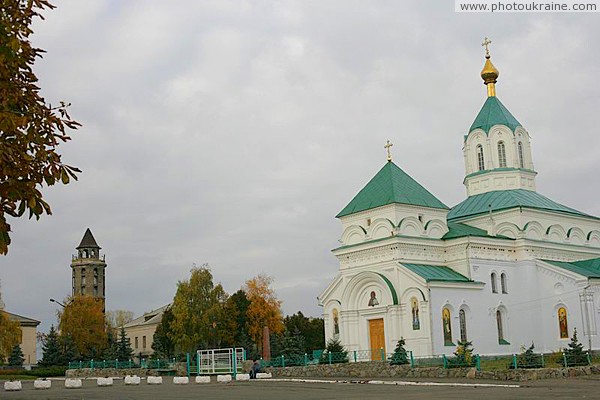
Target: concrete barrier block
[
  {"x": 73, "y": 383},
  {"x": 12, "y": 386},
  {"x": 181, "y": 380},
  {"x": 132, "y": 380},
  {"x": 42, "y": 384},
  {"x": 223, "y": 378},
  {"x": 264, "y": 375},
  {"x": 104, "y": 381},
  {"x": 203, "y": 379},
  {"x": 154, "y": 380},
  {"x": 242, "y": 377}
]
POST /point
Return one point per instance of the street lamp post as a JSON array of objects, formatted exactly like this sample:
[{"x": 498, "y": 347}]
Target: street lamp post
[{"x": 57, "y": 302}]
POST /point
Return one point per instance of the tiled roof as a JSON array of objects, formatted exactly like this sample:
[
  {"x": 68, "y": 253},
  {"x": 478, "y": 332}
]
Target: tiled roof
[
  {"x": 436, "y": 273},
  {"x": 507, "y": 199},
  {"x": 391, "y": 185},
  {"x": 493, "y": 113}
]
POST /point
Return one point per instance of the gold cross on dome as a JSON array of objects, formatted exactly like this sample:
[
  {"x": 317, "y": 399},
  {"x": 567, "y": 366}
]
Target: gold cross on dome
[
  {"x": 486, "y": 43},
  {"x": 388, "y": 146}
]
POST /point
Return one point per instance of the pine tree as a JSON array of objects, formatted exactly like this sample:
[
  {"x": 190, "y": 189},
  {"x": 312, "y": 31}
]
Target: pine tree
[
  {"x": 464, "y": 354},
  {"x": 68, "y": 350},
  {"x": 575, "y": 355},
  {"x": 51, "y": 349},
  {"x": 400, "y": 356},
  {"x": 337, "y": 351},
  {"x": 16, "y": 358},
  {"x": 124, "y": 350},
  {"x": 110, "y": 353}
]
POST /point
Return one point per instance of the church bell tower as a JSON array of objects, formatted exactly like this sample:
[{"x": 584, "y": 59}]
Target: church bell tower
[{"x": 88, "y": 267}]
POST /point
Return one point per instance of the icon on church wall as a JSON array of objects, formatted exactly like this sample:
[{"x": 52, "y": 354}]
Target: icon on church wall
[
  {"x": 562, "y": 323},
  {"x": 373, "y": 300},
  {"x": 414, "y": 305},
  {"x": 447, "y": 327},
  {"x": 336, "y": 322}
]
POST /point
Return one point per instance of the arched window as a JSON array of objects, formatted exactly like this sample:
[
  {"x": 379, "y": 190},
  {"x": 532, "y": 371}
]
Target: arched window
[
  {"x": 336, "y": 322},
  {"x": 562, "y": 323},
  {"x": 503, "y": 283},
  {"x": 521, "y": 160},
  {"x": 414, "y": 307},
  {"x": 480, "y": 160},
  {"x": 501, "y": 155},
  {"x": 82, "y": 276},
  {"x": 463, "y": 325},
  {"x": 494, "y": 284},
  {"x": 447, "y": 326},
  {"x": 500, "y": 327}
]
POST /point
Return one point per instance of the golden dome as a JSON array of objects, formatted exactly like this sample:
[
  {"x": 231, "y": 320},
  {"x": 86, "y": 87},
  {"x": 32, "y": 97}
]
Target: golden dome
[{"x": 489, "y": 73}]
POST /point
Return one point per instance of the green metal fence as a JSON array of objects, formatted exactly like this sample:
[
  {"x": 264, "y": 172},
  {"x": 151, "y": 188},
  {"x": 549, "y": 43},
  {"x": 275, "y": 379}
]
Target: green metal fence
[{"x": 120, "y": 364}]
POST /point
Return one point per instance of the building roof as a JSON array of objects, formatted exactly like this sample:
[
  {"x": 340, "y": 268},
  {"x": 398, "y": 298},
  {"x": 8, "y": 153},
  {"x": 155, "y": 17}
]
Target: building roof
[
  {"x": 493, "y": 113},
  {"x": 436, "y": 273},
  {"x": 507, "y": 199},
  {"x": 88, "y": 240},
  {"x": 150, "y": 318},
  {"x": 458, "y": 230},
  {"x": 24, "y": 321},
  {"x": 391, "y": 185},
  {"x": 587, "y": 268}
]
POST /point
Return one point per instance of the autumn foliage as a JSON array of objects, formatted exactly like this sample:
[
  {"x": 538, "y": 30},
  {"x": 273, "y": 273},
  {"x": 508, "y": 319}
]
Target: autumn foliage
[
  {"x": 264, "y": 309},
  {"x": 82, "y": 320},
  {"x": 30, "y": 129},
  {"x": 10, "y": 335}
]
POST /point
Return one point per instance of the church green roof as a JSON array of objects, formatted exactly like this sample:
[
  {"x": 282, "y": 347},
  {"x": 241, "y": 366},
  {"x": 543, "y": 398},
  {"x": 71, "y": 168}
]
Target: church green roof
[
  {"x": 391, "y": 185},
  {"x": 457, "y": 230},
  {"x": 493, "y": 113},
  {"x": 507, "y": 199},
  {"x": 587, "y": 268},
  {"x": 436, "y": 273}
]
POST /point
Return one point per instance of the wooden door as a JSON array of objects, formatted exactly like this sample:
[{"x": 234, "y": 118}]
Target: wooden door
[{"x": 376, "y": 338}]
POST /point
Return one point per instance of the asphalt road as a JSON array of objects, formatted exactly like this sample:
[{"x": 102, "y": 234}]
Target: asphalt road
[{"x": 573, "y": 388}]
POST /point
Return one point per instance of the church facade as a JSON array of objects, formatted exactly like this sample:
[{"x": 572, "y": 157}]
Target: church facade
[{"x": 505, "y": 268}]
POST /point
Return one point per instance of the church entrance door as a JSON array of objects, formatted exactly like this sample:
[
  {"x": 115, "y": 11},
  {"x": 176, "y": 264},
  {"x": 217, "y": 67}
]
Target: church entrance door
[{"x": 376, "y": 338}]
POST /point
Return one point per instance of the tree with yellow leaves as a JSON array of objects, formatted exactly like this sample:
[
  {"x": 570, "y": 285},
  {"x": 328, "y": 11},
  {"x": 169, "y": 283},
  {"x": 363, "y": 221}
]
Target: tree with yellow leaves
[
  {"x": 264, "y": 309},
  {"x": 83, "y": 321},
  {"x": 10, "y": 335}
]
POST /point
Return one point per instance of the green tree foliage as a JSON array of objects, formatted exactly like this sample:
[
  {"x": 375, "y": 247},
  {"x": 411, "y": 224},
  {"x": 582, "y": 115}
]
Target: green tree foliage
[
  {"x": 162, "y": 344},
  {"x": 112, "y": 346},
  {"x": 235, "y": 321},
  {"x": 10, "y": 335},
  {"x": 16, "y": 358},
  {"x": 124, "y": 350},
  {"x": 290, "y": 344},
  {"x": 463, "y": 354},
  {"x": 400, "y": 355},
  {"x": 68, "y": 349},
  {"x": 528, "y": 358},
  {"x": 117, "y": 318},
  {"x": 83, "y": 321},
  {"x": 30, "y": 129},
  {"x": 195, "y": 309},
  {"x": 337, "y": 351},
  {"x": 312, "y": 329},
  {"x": 575, "y": 355},
  {"x": 51, "y": 353}
]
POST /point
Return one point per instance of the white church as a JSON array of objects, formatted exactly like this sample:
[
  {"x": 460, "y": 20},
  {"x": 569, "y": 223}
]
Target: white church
[{"x": 506, "y": 267}]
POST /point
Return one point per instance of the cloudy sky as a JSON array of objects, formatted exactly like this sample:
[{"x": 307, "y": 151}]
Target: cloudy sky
[{"x": 233, "y": 132}]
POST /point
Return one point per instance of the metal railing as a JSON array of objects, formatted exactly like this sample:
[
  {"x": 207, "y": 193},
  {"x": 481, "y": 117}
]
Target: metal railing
[{"x": 120, "y": 364}]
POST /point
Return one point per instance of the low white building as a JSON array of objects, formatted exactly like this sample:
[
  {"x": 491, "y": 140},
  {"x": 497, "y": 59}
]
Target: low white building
[{"x": 504, "y": 268}]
